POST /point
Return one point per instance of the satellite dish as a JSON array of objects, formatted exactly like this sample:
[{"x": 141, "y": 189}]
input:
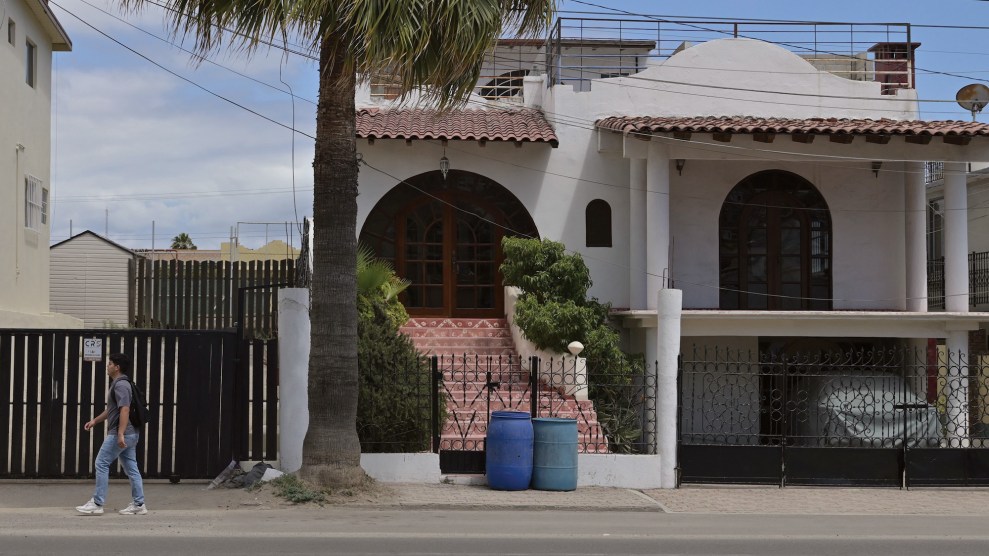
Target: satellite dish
[{"x": 973, "y": 98}]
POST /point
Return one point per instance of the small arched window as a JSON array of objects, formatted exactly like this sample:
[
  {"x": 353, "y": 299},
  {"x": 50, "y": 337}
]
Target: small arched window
[{"x": 598, "y": 223}]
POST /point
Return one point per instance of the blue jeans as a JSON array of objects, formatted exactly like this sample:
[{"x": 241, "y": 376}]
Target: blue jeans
[{"x": 128, "y": 459}]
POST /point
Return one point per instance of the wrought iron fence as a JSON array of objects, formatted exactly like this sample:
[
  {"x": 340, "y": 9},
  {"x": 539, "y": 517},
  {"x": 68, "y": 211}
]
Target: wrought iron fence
[
  {"x": 443, "y": 403},
  {"x": 395, "y": 412},
  {"x": 933, "y": 172},
  {"x": 864, "y": 398},
  {"x": 978, "y": 280},
  {"x": 582, "y": 49}
]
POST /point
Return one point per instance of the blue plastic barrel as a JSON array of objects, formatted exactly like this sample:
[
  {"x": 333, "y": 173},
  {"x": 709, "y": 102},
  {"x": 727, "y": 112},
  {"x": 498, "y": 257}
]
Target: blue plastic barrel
[
  {"x": 508, "y": 450},
  {"x": 554, "y": 454}
]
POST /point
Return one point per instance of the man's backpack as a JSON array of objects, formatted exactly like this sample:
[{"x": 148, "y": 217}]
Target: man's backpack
[{"x": 139, "y": 412}]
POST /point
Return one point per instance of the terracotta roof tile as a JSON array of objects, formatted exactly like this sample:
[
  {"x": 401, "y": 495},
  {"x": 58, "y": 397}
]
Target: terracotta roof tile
[
  {"x": 470, "y": 125},
  {"x": 822, "y": 126}
]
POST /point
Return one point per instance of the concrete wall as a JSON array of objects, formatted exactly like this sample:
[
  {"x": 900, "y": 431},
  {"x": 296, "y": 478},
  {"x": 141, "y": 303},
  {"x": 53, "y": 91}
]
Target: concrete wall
[
  {"x": 603, "y": 470},
  {"x": 90, "y": 280}
]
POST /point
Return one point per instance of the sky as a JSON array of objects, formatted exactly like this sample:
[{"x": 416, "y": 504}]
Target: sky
[{"x": 145, "y": 148}]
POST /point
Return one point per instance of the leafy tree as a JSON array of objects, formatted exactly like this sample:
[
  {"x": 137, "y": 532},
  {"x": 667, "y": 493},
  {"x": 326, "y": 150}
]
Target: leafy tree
[
  {"x": 183, "y": 241},
  {"x": 429, "y": 45}
]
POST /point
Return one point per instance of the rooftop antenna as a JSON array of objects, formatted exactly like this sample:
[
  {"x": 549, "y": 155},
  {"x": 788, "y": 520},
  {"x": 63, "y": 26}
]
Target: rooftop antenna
[{"x": 973, "y": 98}]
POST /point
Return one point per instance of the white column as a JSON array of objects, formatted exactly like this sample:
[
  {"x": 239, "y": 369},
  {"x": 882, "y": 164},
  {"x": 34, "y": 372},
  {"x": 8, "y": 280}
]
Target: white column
[
  {"x": 657, "y": 219},
  {"x": 916, "y": 237},
  {"x": 956, "y": 298},
  {"x": 955, "y": 238},
  {"x": 669, "y": 308},
  {"x": 956, "y": 389},
  {"x": 293, "y": 377},
  {"x": 637, "y": 292}
]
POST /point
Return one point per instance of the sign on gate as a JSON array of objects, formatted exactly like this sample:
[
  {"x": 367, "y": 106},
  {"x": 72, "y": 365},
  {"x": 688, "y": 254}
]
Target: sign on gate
[{"x": 92, "y": 349}]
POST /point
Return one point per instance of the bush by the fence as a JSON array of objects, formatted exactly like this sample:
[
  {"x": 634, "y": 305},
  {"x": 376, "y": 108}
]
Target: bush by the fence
[{"x": 393, "y": 407}]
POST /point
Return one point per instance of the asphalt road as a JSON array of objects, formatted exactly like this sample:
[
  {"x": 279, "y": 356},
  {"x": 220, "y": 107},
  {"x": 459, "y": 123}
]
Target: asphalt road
[{"x": 412, "y": 532}]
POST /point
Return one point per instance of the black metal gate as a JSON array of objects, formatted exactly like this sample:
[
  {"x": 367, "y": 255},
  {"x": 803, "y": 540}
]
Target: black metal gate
[
  {"x": 877, "y": 416},
  {"x": 614, "y": 407},
  {"x": 212, "y": 397}
]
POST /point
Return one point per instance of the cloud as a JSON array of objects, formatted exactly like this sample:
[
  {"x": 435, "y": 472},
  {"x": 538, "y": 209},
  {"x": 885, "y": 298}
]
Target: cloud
[{"x": 134, "y": 144}]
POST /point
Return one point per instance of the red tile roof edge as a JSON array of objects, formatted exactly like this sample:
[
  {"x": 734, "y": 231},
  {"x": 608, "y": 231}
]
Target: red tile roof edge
[
  {"x": 514, "y": 125},
  {"x": 746, "y": 124}
]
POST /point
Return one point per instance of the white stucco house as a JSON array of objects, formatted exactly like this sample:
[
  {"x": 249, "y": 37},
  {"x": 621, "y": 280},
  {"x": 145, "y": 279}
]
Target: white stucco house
[
  {"x": 780, "y": 194},
  {"x": 31, "y": 34}
]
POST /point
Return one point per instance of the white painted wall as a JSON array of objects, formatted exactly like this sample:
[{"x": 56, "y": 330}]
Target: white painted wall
[
  {"x": 541, "y": 177},
  {"x": 293, "y": 375},
  {"x": 556, "y": 184},
  {"x": 867, "y": 223},
  {"x": 601, "y": 470},
  {"x": 25, "y": 113}
]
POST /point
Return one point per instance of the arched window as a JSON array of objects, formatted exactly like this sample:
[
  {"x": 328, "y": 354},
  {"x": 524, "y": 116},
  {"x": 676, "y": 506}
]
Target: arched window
[
  {"x": 775, "y": 245},
  {"x": 598, "y": 223}
]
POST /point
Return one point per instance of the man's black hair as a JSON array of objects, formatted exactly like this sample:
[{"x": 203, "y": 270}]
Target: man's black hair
[{"x": 121, "y": 360}]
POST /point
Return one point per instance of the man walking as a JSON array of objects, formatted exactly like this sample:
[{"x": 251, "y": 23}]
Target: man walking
[{"x": 121, "y": 441}]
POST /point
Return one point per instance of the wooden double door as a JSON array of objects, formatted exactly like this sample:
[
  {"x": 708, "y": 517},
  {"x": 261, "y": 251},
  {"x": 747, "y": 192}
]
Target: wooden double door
[{"x": 450, "y": 250}]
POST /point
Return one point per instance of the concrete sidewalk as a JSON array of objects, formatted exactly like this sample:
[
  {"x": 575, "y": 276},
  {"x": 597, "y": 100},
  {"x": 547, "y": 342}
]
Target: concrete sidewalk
[{"x": 161, "y": 496}]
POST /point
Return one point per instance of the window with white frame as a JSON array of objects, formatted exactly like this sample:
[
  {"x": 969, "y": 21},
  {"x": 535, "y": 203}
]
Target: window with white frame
[{"x": 35, "y": 204}]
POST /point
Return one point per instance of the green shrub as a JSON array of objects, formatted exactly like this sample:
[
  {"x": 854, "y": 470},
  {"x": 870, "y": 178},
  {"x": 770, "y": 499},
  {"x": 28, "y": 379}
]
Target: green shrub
[
  {"x": 393, "y": 405},
  {"x": 554, "y": 310}
]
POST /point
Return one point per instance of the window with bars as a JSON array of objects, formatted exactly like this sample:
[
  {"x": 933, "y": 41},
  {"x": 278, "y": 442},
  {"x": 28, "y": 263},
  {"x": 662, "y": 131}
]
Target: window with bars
[{"x": 35, "y": 204}]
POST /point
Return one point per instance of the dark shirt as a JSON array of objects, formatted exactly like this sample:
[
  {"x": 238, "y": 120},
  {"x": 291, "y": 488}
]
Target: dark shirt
[{"x": 120, "y": 387}]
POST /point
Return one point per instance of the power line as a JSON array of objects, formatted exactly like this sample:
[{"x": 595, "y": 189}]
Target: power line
[
  {"x": 186, "y": 79},
  {"x": 191, "y": 53},
  {"x": 617, "y": 10}
]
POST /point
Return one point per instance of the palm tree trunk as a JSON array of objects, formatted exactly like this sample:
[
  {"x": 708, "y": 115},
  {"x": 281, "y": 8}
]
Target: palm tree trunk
[{"x": 331, "y": 452}]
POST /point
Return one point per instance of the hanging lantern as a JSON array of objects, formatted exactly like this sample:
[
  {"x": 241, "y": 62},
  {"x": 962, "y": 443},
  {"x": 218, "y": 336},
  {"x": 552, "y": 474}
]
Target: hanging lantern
[{"x": 444, "y": 165}]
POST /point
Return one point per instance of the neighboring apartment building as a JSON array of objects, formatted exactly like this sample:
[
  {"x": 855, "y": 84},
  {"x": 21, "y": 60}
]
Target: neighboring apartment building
[{"x": 30, "y": 33}]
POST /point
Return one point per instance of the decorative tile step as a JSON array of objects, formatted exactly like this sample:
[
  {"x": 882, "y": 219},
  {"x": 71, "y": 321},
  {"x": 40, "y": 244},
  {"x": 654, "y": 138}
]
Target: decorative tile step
[
  {"x": 506, "y": 375},
  {"x": 417, "y": 333},
  {"x": 440, "y": 323},
  {"x": 468, "y": 346}
]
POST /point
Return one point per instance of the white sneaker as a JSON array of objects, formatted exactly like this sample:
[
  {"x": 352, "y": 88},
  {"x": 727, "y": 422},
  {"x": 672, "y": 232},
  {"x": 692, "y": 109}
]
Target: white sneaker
[
  {"x": 90, "y": 508},
  {"x": 134, "y": 509}
]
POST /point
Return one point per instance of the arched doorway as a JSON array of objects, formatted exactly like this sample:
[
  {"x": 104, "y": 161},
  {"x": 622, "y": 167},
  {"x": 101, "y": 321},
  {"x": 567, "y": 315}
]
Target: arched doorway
[
  {"x": 444, "y": 235},
  {"x": 775, "y": 245}
]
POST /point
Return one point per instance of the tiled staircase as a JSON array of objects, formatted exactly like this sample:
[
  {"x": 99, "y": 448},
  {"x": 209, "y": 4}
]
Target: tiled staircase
[{"x": 473, "y": 352}]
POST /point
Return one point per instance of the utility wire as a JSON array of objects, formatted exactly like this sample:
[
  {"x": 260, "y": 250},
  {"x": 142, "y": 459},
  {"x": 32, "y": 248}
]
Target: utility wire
[
  {"x": 618, "y": 10},
  {"x": 194, "y": 54},
  {"x": 183, "y": 78}
]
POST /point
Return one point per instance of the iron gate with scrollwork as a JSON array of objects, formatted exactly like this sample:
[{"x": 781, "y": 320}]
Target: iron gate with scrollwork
[
  {"x": 614, "y": 409},
  {"x": 880, "y": 416}
]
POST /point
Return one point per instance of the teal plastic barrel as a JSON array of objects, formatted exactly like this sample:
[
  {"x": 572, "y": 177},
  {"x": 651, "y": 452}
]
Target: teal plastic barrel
[
  {"x": 554, "y": 454},
  {"x": 508, "y": 450}
]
